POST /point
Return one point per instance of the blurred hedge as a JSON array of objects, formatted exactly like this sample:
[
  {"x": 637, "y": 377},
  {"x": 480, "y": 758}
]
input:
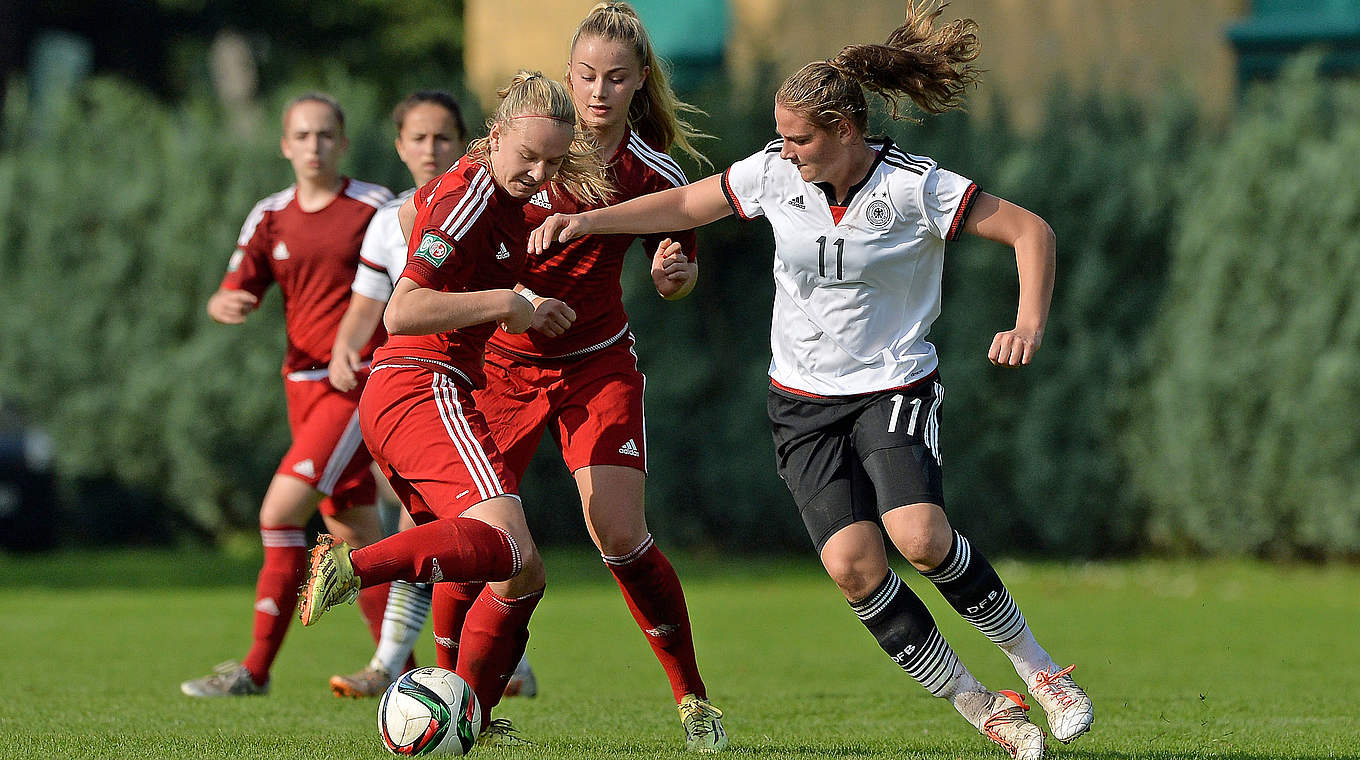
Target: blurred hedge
[
  {"x": 1137, "y": 427},
  {"x": 1246, "y": 432}
]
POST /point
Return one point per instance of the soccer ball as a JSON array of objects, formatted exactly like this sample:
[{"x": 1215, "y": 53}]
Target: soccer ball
[{"x": 429, "y": 711}]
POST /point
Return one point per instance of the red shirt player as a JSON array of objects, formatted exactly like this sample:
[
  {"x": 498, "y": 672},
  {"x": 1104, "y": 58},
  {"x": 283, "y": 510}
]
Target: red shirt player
[
  {"x": 583, "y": 385},
  {"x": 468, "y": 237},
  {"x": 306, "y": 239}
]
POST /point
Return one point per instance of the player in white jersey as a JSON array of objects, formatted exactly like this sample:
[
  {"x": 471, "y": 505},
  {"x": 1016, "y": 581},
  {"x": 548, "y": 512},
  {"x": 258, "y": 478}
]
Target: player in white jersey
[
  {"x": 860, "y": 232},
  {"x": 431, "y": 135}
]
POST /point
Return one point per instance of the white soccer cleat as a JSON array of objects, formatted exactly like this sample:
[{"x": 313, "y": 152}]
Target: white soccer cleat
[
  {"x": 1000, "y": 716},
  {"x": 229, "y": 679},
  {"x": 1069, "y": 710},
  {"x": 522, "y": 682}
]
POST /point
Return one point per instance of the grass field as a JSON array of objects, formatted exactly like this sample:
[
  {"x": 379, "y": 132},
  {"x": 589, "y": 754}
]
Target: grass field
[{"x": 1221, "y": 660}]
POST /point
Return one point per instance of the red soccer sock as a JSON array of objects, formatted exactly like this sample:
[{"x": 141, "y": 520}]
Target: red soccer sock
[
  {"x": 652, "y": 590},
  {"x": 451, "y": 603},
  {"x": 494, "y": 636},
  {"x": 372, "y": 605},
  {"x": 276, "y": 593},
  {"x": 457, "y": 549}
]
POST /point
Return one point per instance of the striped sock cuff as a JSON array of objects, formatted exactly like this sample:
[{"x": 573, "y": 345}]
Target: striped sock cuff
[
  {"x": 955, "y": 562},
  {"x": 875, "y": 603},
  {"x": 638, "y": 551},
  {"x": 283, "y": 537}
]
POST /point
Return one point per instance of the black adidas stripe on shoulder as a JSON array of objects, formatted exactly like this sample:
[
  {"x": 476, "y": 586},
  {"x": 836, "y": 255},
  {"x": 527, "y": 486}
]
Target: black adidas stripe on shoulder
[
  {"x": 913, "y": 168},
  {"x": 774, "y": 146}
]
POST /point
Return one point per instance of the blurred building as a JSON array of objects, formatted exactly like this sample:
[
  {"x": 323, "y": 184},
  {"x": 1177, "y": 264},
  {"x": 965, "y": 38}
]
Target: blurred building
[{"x": 1141, "y": 47}]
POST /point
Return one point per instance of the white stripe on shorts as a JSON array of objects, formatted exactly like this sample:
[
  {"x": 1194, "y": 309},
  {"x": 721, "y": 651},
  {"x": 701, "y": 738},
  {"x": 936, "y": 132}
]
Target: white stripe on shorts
[
  {"x": 344, "y": 452},
  {"x": 460, "y": 432}
]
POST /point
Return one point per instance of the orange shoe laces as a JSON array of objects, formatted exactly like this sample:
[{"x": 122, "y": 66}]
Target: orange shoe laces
[
  {"x": 1048, "y": 683},
  {"x": 1001, "y": 718}
]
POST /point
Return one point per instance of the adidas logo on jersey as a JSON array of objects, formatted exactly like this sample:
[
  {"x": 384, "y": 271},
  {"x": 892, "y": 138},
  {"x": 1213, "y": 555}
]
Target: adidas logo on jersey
[
  {"x": 268, "y": 606},
  {"x": 541, "y": 199},
  {"x": 502, "y": 254},
  {"x": 630, "y": 448},
  {"x": 280, "y": 252},
  {"x": 436, "y": 575},
  {"x": 305, "y": 468},
  {"x": 798, "y": 203}
]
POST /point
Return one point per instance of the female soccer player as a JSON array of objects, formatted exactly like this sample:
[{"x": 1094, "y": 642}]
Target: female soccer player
[
  {"x": 468, "y": 237},
  {"x": 583, "y": 385},
  {"x": 860, "y": 231},
  {"x": 307, "y": 239},
  {"x": 430, "y": 138},
  {"x": 554, "y": 378}
]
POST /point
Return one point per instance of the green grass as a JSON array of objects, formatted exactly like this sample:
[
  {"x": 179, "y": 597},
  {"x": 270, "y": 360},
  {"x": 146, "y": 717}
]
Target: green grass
[{"x": 1184, "y": 660}]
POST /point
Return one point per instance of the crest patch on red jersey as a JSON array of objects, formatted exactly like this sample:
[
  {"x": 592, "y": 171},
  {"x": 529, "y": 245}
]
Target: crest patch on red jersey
[{"x": 434, "y": 248}]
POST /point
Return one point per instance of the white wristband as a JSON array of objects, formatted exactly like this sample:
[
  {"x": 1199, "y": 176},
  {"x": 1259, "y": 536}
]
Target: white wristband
[{"x": 528, "y": 295}]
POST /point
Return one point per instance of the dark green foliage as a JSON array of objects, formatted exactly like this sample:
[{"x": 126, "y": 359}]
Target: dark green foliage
[
  {"x": 118, "y": 215},
  {"x": 1246, "y": 434},
  {"x": 1227, "y": 430}
]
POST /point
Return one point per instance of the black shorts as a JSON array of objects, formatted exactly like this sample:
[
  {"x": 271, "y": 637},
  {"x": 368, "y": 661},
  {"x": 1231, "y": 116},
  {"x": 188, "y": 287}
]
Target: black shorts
[{"x": 853, "y": 458}]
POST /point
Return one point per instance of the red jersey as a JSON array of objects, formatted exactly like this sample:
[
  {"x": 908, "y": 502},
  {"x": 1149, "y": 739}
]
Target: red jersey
[
  {"x": 585, "y": 272},
  {"x": 312, "y": 256},
  {"x": 469, "y": 235}
]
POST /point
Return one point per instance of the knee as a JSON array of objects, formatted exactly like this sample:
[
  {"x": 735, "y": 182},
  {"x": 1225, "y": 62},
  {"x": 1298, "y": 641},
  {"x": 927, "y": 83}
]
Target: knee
[
  {"x": 924, "y": 549},
  {"x": 532, "y": 576},
  {"x": 857, "y": 577}
]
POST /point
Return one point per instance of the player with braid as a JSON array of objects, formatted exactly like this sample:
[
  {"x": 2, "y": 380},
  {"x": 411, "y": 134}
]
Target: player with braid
[
  {"x": 860, "y": 230},
  {"x": 307, "y": 239},
  {"x": 468, "y": 235}
]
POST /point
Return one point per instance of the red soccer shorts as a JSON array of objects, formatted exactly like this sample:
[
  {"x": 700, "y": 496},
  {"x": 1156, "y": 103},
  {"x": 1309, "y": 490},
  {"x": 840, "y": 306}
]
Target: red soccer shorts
[
  {"x": 592, "y": 406},
  {"x": 328, "y": 450},
  {"x": 430, "y": 441}
]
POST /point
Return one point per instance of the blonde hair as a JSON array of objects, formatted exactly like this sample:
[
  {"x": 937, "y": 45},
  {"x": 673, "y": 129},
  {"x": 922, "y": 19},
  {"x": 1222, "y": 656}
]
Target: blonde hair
[
  {"x": 532, "y": 94},
  {"x": 931, "y": 67},
  {"x": 654, "y": 111}
]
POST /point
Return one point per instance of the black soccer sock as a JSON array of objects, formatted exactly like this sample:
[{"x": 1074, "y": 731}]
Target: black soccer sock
[
  {"x": 904, "y": 628},
  {"x": 969, "y": 583}
]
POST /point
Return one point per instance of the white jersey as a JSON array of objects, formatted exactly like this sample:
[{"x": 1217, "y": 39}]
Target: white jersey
[
  {"x": 854, "y": 299},
  {"x": 383, "y": 254}
]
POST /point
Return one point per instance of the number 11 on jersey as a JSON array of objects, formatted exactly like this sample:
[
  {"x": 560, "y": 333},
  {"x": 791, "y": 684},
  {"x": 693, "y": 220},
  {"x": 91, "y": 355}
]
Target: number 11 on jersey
[{"x": 840, "y": 257}]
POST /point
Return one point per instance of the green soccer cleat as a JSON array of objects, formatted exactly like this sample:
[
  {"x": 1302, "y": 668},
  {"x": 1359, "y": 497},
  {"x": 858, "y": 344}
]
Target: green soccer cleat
[
  {"x": 230, "y": 679},
  {"x": 330, "y": 579},
  {"x": 703, "y": 725}
]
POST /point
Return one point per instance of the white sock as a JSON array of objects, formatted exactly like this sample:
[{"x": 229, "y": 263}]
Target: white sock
[
  {"x": 1027, "y": 656},
  {"x": 408, "y": 604}
]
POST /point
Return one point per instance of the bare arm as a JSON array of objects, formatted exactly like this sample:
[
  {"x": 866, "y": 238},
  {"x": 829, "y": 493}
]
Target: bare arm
[
  {"x": 356, "y": 327},
  {"x": 680, "y": 208},
  {"x": 406, "y": 217},
  {"x": 414, "y": 310},
  {"x": 1036, "y": 253}
]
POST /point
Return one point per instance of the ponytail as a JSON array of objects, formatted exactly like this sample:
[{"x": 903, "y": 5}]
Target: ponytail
[
  {"x": 931, "y": 67},
  {"x": 654, "y": 110}
]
